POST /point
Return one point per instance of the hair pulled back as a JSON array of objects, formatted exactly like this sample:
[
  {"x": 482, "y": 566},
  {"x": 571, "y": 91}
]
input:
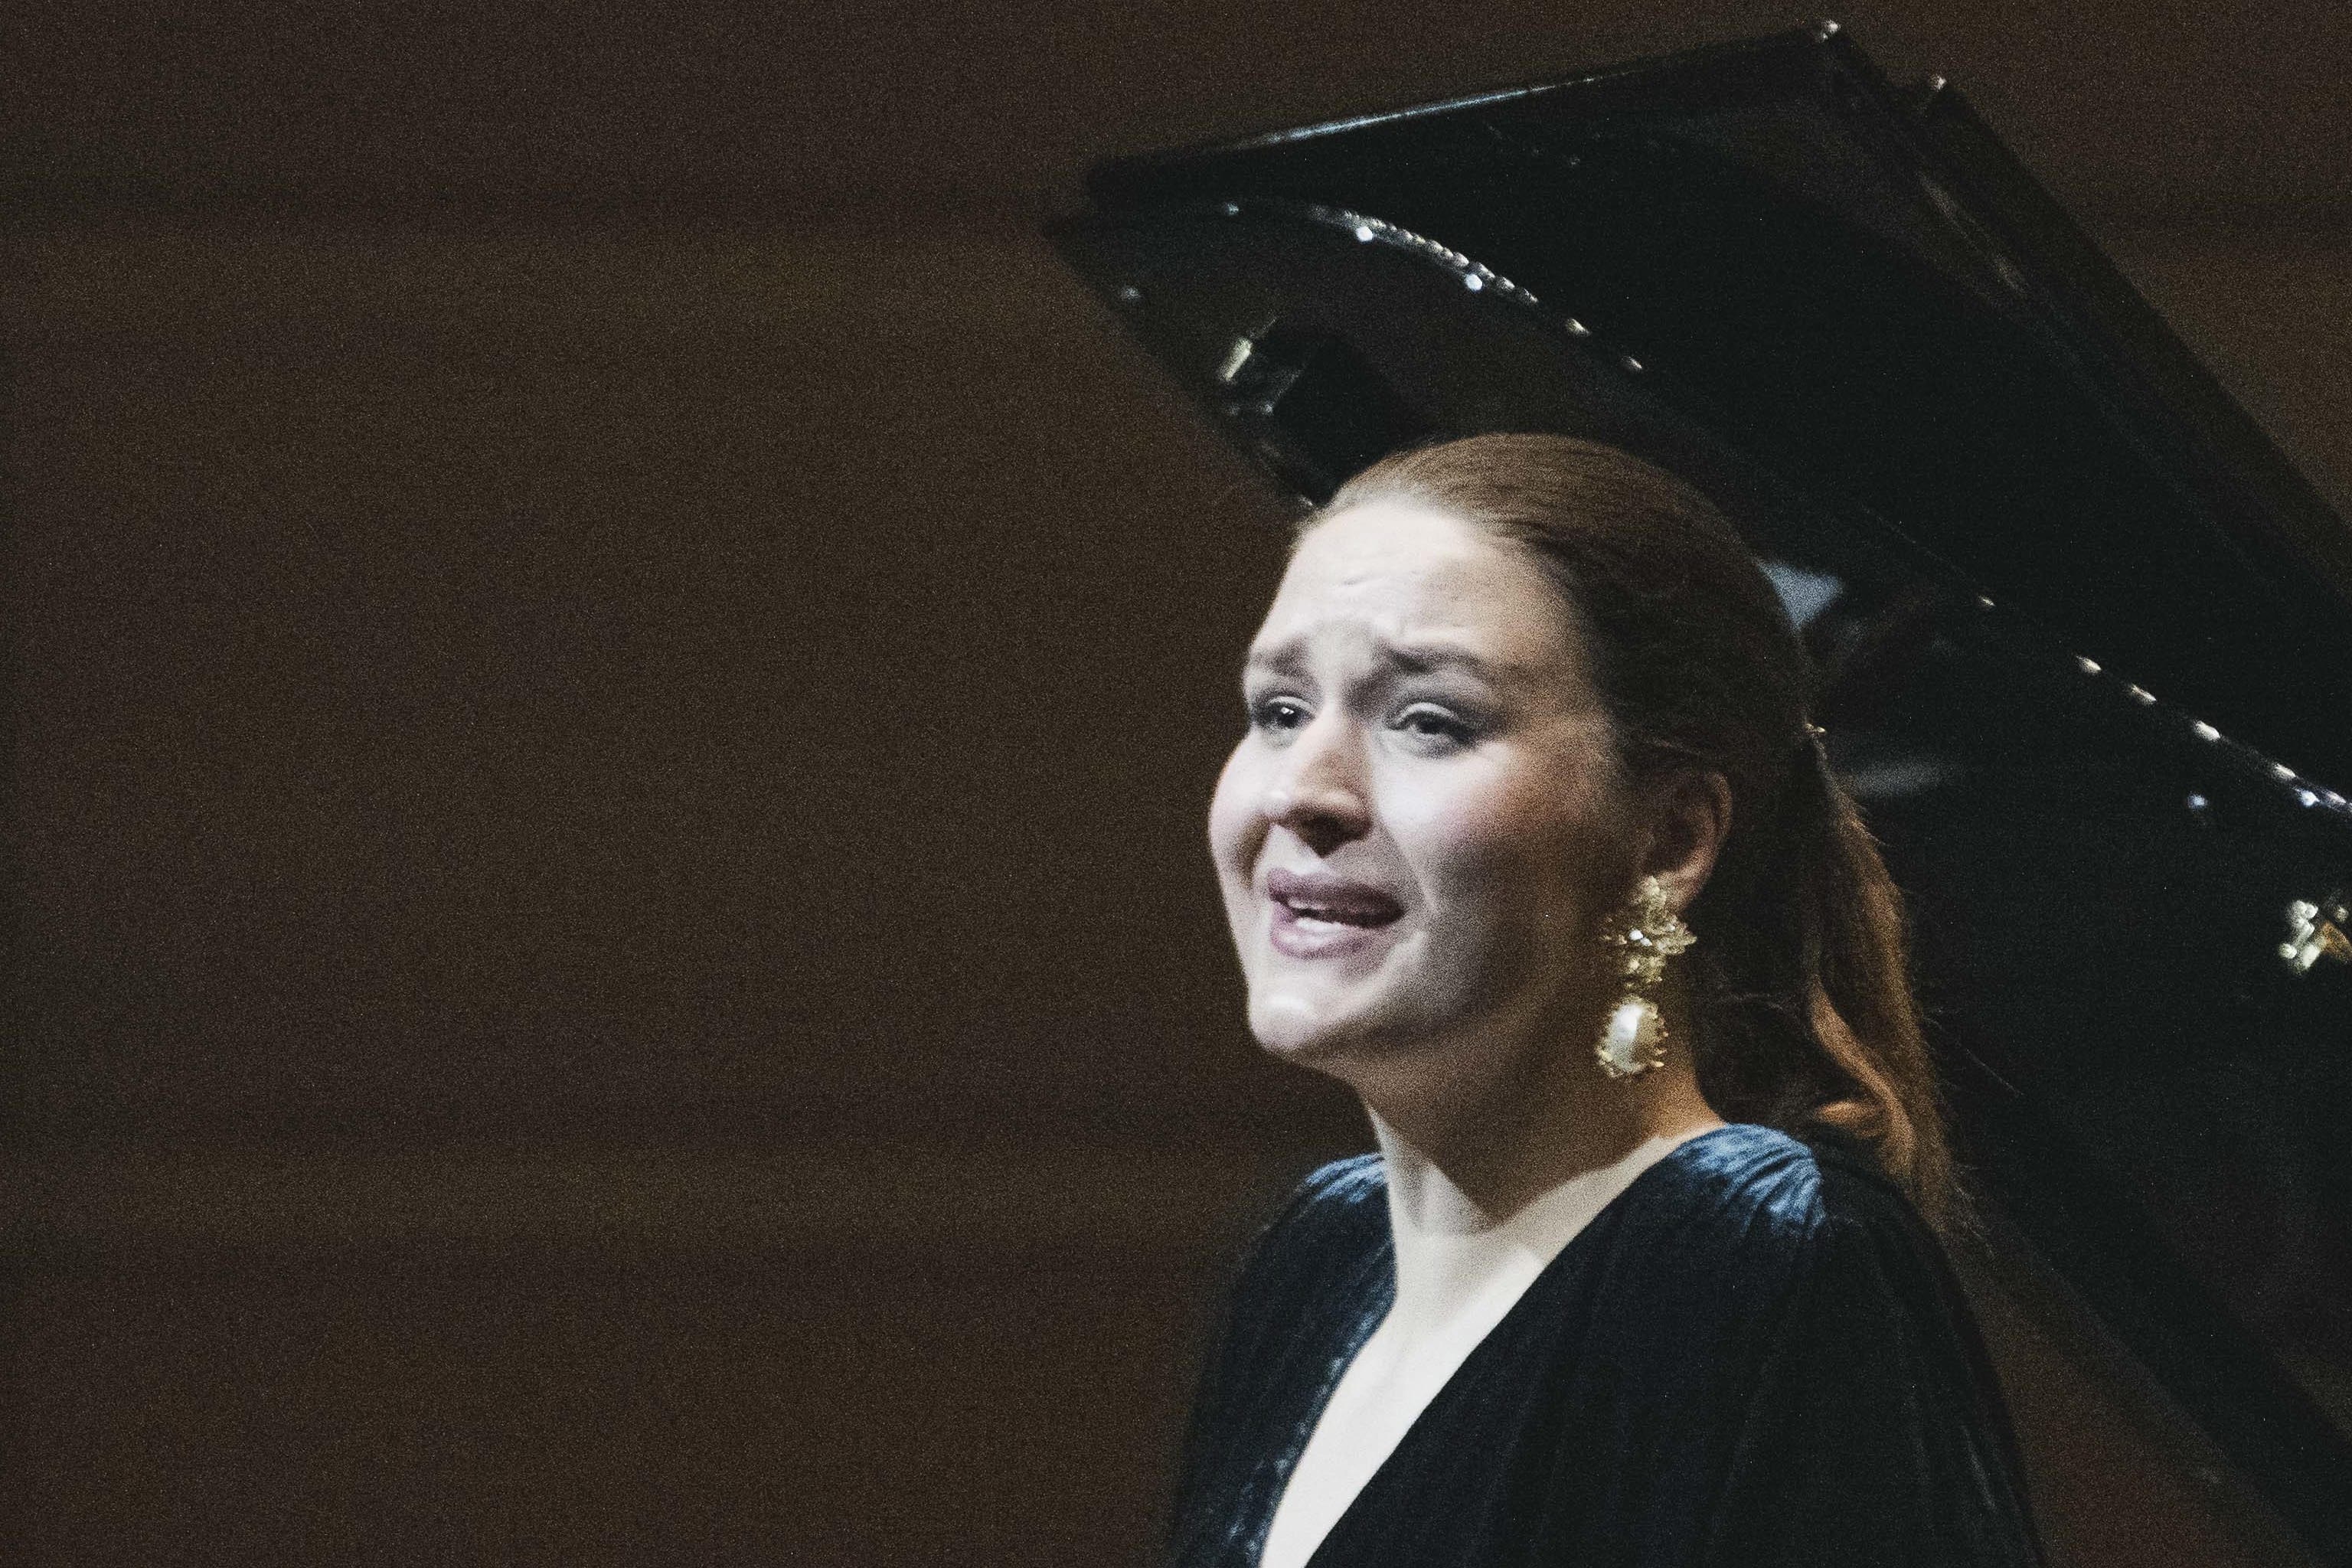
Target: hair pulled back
[{"x": 1801, "y": 980}]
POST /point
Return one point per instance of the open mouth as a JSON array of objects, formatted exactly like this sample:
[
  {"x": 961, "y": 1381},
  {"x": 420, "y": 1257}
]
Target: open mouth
[
  {"x": 1334, "y": 916},
  {"x": 1308, "y": 926},
  {"x": 1318, "y": 914}
]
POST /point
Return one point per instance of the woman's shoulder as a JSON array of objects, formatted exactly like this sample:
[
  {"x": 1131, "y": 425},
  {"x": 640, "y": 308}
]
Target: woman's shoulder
[
  {"x": 1763, "y": 1250},
  {"x": 1770, "y": 1189},
  {"x": 1871, "y": 1424},
  {"x": 1341, "y": 1185},
  {"x": 1322, "y": 1256},
  {"x": 1747, "y": 1210},
  {"x": 1339, "y": 1207}
]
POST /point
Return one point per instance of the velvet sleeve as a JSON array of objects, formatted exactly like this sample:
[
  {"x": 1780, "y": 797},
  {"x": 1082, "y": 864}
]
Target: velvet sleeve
[
  {"x": 1875, "y": 1435},
  {"x": 1227, "y": 1467}
]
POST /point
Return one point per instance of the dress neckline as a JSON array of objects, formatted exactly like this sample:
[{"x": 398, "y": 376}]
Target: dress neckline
[{"x": 1374, "y": 1306}]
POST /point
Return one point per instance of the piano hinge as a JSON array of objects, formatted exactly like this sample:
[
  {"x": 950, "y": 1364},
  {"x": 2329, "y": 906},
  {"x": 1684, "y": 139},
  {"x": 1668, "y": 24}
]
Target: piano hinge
[{"x": 2317, "y": 930}]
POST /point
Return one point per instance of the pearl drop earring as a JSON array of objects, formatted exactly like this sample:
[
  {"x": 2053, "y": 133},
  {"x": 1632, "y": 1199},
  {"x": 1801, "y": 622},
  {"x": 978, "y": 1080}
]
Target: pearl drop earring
[{"x": 1647, "y": 933}]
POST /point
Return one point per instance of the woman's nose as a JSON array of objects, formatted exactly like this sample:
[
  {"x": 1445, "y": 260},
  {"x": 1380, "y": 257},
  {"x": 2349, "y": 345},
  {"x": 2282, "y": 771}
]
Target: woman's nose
[{"x": 1318, "y": 793}]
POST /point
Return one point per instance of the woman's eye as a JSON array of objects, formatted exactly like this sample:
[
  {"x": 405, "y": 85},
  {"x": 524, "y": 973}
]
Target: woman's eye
[
  {"x": 1435, "y": 726},
  {"x": 1280, "y": 714},
  {"x": 1434, "y": 723}
]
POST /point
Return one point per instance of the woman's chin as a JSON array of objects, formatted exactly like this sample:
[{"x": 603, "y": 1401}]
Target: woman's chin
[
  {"x": 1299, "y": 1050},
  {"x": 1290, "y": 1031}
]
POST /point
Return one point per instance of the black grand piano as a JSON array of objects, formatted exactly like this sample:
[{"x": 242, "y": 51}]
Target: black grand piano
[{"x": 2086, "y": 638}]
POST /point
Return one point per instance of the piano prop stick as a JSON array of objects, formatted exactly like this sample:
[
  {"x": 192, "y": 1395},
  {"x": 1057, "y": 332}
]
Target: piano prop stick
[{"x": 2085, "y": 641}]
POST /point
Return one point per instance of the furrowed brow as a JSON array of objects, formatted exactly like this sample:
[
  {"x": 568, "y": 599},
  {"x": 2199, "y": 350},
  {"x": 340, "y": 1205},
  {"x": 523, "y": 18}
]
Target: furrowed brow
[
  {"x": 1289, "y": 658},
  {"x": 1422, "y": 658}
]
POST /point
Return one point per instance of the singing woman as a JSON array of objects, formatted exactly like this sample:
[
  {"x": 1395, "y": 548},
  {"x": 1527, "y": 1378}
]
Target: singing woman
[{"x": 1532, "y": 842}]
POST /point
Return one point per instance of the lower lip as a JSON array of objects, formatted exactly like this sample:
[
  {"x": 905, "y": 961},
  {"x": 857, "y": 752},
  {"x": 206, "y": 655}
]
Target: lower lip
[{"x": 1298, "y": 938}]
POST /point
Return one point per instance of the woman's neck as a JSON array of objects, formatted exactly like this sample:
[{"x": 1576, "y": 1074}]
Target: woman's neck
[{"x": 1453, "y": 1249}]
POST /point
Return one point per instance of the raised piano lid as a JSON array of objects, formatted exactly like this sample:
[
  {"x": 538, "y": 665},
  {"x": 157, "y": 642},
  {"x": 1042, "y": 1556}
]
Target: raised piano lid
[{"x": 2085, "y": 637}]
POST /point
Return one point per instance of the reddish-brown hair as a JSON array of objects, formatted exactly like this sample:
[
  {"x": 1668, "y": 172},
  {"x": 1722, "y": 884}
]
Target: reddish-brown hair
[{"x": 1801, "y": 978}]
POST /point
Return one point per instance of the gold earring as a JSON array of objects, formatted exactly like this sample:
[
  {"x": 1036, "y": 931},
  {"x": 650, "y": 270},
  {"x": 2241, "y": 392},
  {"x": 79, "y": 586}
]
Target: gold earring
[{"x": 1648, "y": 932}]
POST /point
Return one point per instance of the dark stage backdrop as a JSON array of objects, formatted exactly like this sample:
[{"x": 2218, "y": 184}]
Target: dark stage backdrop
[{"x": 614, "y": 682}]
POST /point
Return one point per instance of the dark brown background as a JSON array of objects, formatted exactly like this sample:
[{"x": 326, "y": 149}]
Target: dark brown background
[{"x": 616, "y": 677}]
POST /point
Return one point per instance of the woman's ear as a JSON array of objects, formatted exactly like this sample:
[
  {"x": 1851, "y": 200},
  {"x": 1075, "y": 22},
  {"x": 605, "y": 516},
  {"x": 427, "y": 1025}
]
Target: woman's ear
[{"x": 1690, "y": 818}]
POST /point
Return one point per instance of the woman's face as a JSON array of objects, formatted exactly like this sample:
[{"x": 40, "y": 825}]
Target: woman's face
[{"x": 1414, "y": 834}]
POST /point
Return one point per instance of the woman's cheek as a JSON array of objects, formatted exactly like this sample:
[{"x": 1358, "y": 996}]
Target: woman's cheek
[
  {"x": 1231, "y": 805},
  {"x": 1465, "y": 838},
  {"x": 1506, "y": 856},
  {"x": 1469, "y": 825}
]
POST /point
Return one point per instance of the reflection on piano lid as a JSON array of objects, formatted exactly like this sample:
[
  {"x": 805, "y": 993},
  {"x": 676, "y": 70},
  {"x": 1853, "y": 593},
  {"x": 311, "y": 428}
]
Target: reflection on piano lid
[{"x": 2083, "y": 633}]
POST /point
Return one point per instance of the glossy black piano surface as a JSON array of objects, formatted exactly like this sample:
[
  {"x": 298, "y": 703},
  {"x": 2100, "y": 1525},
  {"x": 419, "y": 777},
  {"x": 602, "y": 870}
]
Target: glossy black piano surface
[{"x": 2086, "y": 639}]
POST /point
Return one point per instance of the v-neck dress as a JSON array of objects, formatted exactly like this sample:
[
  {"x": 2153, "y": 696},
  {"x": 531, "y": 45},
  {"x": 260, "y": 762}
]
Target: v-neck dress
[{"x": 1755, "y": 1356}]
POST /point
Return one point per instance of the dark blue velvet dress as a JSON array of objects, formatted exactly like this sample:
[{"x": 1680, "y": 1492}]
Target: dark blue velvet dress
[{"x": 1756, "y": 1356}]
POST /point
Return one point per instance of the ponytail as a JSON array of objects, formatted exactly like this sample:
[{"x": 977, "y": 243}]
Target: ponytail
[
  {"x": 1861, "y": 1011},
  {"x": 1803, "y": 986}
]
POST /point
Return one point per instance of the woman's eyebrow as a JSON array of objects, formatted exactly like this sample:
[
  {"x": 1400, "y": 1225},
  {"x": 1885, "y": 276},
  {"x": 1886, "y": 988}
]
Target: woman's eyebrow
[
  {"x": 1288, "y": 657},
  {"x": 1420, "y": 659}
]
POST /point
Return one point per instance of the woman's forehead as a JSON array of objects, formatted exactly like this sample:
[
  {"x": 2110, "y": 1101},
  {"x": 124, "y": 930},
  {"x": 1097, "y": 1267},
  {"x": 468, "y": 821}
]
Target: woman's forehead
[{"x": 1394, "y": 569}]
